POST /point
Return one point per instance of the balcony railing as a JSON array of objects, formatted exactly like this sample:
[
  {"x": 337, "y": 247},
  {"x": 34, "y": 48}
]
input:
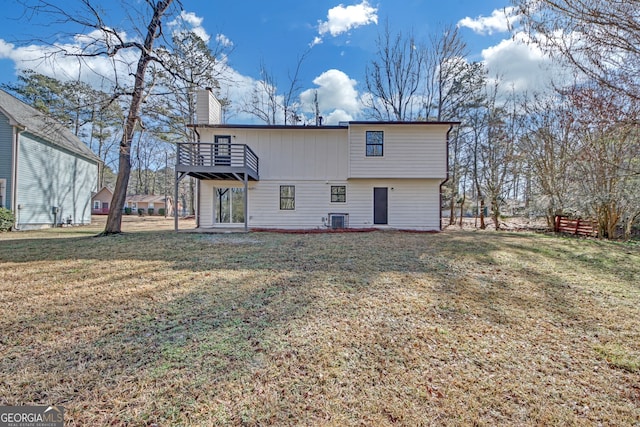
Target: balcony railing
[{"x": 213, "y": 160}]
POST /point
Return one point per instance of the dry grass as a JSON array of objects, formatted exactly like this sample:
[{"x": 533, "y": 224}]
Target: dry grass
[{"x": 457, "y": 328}]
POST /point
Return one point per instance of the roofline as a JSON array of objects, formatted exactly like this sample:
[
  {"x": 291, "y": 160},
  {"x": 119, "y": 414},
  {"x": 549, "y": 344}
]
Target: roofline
[
  {"x": 12, "y": 120},
  {"x": 314, "y": 127},
  {"x": 87, "y": 156},
  {"x": 244, "y": 126},
  {"x": 414, "y": 123}
]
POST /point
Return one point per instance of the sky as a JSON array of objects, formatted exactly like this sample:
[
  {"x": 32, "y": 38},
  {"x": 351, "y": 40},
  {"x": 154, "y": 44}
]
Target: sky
[{"x": 337, "y": 39}]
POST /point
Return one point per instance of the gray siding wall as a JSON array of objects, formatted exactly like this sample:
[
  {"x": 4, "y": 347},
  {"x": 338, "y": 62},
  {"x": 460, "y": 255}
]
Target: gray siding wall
[
  {"x": 6, "y": 148},
  {"x": 49, "y": 176}
]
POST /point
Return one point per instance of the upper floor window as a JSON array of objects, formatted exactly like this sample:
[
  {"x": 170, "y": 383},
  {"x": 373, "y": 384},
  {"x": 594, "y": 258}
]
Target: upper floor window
[
  {"x": 287, "y": 197},
  {"x": 375, "y": 143}
]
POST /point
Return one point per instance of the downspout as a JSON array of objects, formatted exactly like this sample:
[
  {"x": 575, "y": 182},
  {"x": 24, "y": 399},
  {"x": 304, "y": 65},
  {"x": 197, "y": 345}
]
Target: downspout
[
  {"x": 197, "y": 195},
  {"x": 446, "y": 178},
  {"x": 246, "y": 199},
  {"x": 15, "y": 207}
]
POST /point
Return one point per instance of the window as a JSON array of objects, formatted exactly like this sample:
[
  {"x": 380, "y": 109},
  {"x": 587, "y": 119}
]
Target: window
[
  {"x": 229, "y": 205},
  {"x": 375, "y": 141},
  {"x": 338, "y": 194},
  {"x": 96, "y": 204},
  {"x": 287, "y": 197}
]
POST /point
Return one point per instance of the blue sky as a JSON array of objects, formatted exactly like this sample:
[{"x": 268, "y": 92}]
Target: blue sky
[{"x": 340, "y": 38}]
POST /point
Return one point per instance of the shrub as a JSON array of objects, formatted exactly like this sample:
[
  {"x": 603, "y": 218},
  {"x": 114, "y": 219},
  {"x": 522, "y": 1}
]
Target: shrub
[
  {"x": 127, "y": 211},
  {"x": 140, "y": 211},
  {"x": 161, "y": 211},
  {"x": 150, "y": 211},
  {"x": 6, "y": 219}
]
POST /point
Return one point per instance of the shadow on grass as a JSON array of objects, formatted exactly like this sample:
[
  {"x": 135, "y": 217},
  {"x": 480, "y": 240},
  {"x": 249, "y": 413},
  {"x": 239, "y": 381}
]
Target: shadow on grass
[{"x": 186, "y": 315}]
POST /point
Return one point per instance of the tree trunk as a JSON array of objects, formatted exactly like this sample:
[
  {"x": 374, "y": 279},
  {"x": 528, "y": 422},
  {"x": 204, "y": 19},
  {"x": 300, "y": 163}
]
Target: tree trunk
[
  {"x": 462, "y": 210},
  {"x": 495, "y": 212},
  {"x": 114, "y": 220},
  {"x": 482, "y": 223}
]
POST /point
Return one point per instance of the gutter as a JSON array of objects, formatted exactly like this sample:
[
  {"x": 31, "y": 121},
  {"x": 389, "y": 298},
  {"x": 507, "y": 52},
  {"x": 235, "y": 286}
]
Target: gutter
[{"x": 446, "y": 178}]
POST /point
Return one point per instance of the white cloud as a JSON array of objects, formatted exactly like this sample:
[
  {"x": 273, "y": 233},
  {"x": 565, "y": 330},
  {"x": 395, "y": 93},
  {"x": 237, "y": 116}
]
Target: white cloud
[
  {"x": 223, "y": 40},
  {"x": 341, "y": 19},
  {"x": 522, "y": 66},
  {"x": 338, "y": 116},
  {"x": 337, "y": 97},
  {"x": 497, "y": 22},
  {"x": 51, "y": 60},
  {"x": 189, "y": 21}
]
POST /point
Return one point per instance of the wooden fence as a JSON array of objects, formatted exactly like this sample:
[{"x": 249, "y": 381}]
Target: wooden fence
[{"x": 579, "y": 227}]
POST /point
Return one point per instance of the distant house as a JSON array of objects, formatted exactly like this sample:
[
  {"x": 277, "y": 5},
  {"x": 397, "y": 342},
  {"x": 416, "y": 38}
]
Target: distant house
[
  {"x": 101, "y": 201},
  {"x": 149, "y": 204},
  {"x": 355, "y": 174},
  {"x": 47, "y": 175}
]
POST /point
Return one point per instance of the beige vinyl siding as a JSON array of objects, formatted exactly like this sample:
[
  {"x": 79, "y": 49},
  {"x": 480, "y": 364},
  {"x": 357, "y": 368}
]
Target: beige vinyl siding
[
  {"x": 412, "y": 203},
  {"x": 312, "y": 203},
  {"x": 292, "y": 154},
  {"x": 208, "y": 109},
  {"x": 409, "y": 151}
]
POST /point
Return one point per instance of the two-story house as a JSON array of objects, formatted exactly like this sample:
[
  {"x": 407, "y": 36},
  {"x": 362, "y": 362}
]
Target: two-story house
[
  {"x": 47, "y": 175},
  {"x": 356, "y": 174}
]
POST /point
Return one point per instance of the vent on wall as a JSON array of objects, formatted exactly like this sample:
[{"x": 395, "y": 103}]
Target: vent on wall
[{"x": 338, "y": 220}]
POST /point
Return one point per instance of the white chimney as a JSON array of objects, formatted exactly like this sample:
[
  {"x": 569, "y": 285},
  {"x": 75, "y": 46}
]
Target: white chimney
[{"x": 208, "y": 108}]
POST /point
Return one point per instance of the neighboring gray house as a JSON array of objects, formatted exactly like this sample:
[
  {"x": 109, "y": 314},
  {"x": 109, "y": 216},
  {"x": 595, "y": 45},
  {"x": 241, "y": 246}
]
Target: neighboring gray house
[{"x": 47, "y": 175}]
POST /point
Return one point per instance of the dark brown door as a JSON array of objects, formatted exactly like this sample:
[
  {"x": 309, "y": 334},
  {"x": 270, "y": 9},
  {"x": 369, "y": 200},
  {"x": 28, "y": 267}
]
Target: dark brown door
[{"x": 380, "y": 205}]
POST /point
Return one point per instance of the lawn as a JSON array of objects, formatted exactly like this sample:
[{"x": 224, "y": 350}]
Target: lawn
[{"x": 160, "y": 328}]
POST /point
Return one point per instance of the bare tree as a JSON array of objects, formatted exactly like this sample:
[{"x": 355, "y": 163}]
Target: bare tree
[
  {"x": 394, "y": 79},
  {"x": 452, "y": 82},
  {"x": 191, "y": 65},
  {"x": 551, "y": 146},
  {"x": 498, "y": 151},
  {"x": 271, "y": 106},
  {"x": 453, "y": 85},
  {"x": 264, "y": 103},
  {"x": 599, "y": 37},
  {"x": 605, "y": 171},
  {"x": 107, "y": 41}
]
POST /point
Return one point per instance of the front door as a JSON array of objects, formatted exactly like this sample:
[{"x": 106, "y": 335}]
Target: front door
[{"x": 380, "y": 205}]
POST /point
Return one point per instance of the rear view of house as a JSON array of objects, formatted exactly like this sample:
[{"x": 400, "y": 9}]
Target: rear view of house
[
  {"x": 47, "y": 175},
  {"x": 356, "y": 174}
]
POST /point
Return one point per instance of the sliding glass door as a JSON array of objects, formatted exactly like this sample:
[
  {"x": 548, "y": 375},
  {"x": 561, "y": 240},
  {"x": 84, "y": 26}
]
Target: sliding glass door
[{"x": 229, "y": 205}]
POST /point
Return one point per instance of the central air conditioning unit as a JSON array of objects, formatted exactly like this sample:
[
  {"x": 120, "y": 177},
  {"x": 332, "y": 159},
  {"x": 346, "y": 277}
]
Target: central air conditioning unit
[{"x": 338, "y": 220}]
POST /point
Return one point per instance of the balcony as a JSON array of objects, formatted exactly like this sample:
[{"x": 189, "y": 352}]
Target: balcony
[{"x": 207, "y": 160}]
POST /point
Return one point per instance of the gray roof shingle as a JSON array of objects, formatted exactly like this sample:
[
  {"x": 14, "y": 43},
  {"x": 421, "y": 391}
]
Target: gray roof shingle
[{"x": 42, "y": 126}]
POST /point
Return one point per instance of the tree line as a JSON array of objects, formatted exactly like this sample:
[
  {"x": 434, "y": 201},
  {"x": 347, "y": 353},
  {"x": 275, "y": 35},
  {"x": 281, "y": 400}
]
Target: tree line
[{"x": 573, "y": 149}]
